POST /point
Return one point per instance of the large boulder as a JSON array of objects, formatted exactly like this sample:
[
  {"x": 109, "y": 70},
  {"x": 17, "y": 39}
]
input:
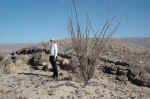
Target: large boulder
[
  {"x": 14, "y": 64},
  {"x": 115, "y": 69},
  {"x": 139, "y": 76},
  {"x": 63, "y": 63},
  {"x": 69, "y": 64},
  {"x": 29, "y": 50},
  {"x": 135, "y": 74},
  {"x": 22, "y": 68},
  {"x": 110, "y": 68},
  {"x": 39, "y": 60},
  {"x": 21, "y": 59}
]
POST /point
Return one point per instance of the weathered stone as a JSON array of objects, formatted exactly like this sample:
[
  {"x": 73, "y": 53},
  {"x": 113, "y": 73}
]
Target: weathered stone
[
  {"x": 39, "y": 59},
  {"x": 122, "y": 78},
  {"x": 29, "y": 50},
  {"x": 110, "y": 68},
  {"x": 7, "y": 66},
  {"x": 21, "y": 59},
  {"x": 139, "y": 77},
  {"x": 122, "y": 70}
]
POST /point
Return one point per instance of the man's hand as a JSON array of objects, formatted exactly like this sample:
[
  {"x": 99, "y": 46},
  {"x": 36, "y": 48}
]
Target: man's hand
[{"x": 55, "y": 59}]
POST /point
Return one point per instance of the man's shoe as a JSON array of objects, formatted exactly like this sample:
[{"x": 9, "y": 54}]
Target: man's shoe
[{"x": 56, "y": 78}]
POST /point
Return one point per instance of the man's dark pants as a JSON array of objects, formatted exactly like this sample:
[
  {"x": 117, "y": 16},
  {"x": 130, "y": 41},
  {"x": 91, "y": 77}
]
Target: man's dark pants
[{"x": 53, "y": 62}]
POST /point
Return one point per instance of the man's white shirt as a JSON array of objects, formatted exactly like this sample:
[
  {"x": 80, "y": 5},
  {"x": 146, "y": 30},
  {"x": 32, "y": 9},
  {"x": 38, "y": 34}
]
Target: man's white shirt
[{"x": 53, "y": 50}]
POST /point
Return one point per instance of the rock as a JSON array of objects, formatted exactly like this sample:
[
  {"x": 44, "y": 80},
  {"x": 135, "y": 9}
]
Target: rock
[
  {"x": 7, "y": 66},
  {"x": 44, "y": 63},
  {"x": 136, "y": 75},
  {"x": 62, "y": 61},
  {"x": 10, "y": 68},
  {"x": 13, "y": 65},
  {"x": 29, "y": 50},
  {"x": 47, "y": 66},
  {"x": 65, "y": 64},
  {"x": 122, "y": 78},
  {"x": 146, "y": 79},
  {"x": 22, "y": 68},
  {"x": 39, "y": 59},
  {"x": 114, "y": 61},
  {"x": 68, "y": 64},
  {"x": 139, "y": 76},
  {"x": 59, "y": 59},
  {"x": 110, "y": 68},
  {"x": 123, "y": 63},
  {"x": 122, "y": 70},
  {"x": 21, "y": 59},
  {"x": 64, "y": 55}
]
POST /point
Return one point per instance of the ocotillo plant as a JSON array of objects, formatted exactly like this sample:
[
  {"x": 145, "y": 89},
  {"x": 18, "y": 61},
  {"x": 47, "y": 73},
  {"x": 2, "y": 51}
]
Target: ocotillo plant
[{"x": 86, "y": 43}]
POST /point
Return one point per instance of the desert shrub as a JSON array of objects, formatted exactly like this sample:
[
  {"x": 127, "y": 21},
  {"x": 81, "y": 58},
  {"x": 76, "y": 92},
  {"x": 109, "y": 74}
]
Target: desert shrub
[{"x": 86, "y": 43}]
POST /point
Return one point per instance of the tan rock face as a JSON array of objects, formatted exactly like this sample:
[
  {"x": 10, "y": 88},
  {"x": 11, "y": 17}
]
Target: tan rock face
[
  {"x": 14, "y": 64},
  {"x": 7, "y": 66},
  {"x": 39, "y": 59},
  {"x": 10, "y": 68},
  {"x": 20, "y": 59}
]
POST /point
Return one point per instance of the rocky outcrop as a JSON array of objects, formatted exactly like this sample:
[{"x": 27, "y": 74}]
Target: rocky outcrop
[
  {"x": 21, "y": 59},
  {"x": 139, "y": 76},
  {"x": 31, "y": 50},
  {"x": 14, "y": 64},
  {"x": 125, "y": 73},
  {"x": 120, "y": 71},
  {"x": 64, "y": 63},
  {"x": 7, "y": 66},
  {"x": 37, "y": 57},
  {"x": 39, "y": 60}
]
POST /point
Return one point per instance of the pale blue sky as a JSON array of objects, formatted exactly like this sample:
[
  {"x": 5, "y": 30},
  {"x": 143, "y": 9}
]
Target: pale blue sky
[{"x": 29, "y": 21}]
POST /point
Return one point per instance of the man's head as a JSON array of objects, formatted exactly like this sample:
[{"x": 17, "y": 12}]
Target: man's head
[{"x": 52, "y": 40}]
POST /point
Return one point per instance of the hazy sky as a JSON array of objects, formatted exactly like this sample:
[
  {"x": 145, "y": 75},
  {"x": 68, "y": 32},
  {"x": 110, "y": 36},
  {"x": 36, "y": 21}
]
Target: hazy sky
[{"x": 31, "y": 21}]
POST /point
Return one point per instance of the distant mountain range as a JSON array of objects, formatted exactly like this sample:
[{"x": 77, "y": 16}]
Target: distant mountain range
[
  {"x": 140, "y": 41},
  {"x": 12, "y": 47}
]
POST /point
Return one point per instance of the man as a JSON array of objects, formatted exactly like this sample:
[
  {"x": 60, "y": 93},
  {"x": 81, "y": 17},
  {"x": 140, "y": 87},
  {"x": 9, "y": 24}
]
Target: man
[{"x": 53, "y": 56}]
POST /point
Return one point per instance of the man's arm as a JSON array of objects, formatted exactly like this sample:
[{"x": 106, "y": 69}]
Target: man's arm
[{"x": 56, "y": 50}]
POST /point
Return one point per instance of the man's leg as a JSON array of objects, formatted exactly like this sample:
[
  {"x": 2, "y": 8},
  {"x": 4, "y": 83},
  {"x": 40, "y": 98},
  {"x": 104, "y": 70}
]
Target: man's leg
[
  {"x": 51, "y": 61},
  {"x": 55, "y": 72},
  {"x": 55, "y": 68}
]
